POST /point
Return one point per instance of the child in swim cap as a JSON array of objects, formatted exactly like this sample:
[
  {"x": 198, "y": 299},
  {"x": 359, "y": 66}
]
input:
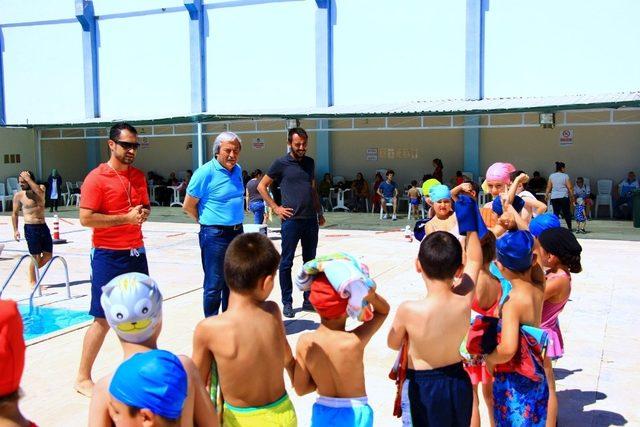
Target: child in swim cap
[
  {"x": 445, "y": 219},
  {"x": 149, "y": 389}
]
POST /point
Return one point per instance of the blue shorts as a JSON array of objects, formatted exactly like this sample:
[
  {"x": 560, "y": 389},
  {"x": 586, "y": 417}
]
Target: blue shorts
[
  {"x": 414, "y": 201},
  {"x": 107, "y": 264},
  {"x": 38, "y": 237},
  {"x": 338, "y": 412},
  {"x": 440, "y": 397}
]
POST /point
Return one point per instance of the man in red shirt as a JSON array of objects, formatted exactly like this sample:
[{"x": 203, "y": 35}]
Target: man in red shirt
[{"x": 114, "y": 202}]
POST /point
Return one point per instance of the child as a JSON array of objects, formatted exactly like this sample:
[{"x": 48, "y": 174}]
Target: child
[
  {"x": 132, "y": 304},
  {"x": 247, "y": 343},
  {"x": 445, "y": 219},
  {"x": 520, "y": 395},
  {"x": 485, "y": 302},
  {"x": 580, "y": 216},
  {"x": 149, "y": 389},
  {"x": 330, "y": 359},
  {"x": 560, "y": 254},
  {"x": 388, "y": 191},
  {"x": 12, "y": 350},
  {"x": 440, "y": 391},
  {"x": 497, "y": 179},
  {"x": 414, "y": 198}
]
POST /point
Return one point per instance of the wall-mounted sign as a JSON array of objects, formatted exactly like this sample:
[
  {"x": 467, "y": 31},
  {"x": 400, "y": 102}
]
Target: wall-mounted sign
[
  {"x": 372, "y": 154},
  {"x": 566, "y": 137},
  {"x": 258, "y": 143}
]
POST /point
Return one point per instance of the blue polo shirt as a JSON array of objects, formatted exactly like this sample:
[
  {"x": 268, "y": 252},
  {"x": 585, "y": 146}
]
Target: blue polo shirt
[
  {"x": 388, "y": 189},
  {"x": 220, "y": 193}
]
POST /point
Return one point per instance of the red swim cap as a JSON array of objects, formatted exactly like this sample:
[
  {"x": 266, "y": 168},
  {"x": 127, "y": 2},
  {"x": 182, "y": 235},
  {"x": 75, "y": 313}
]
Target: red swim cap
[
  {"x": 11, "y": 347},
  {"x": 327, "y": 302}
]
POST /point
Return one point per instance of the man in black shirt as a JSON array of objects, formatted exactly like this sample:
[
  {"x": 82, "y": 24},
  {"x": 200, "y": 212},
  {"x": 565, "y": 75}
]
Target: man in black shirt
[{"x": 300, "y": 210}]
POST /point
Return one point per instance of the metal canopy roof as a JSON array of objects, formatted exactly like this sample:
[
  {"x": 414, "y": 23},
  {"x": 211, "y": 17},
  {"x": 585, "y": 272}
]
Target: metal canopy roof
[{"x": 415, "y": 108}]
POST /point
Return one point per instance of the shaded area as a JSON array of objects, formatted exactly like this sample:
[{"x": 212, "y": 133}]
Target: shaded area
[
  {"x": 295, "y": 326},
  {"x": 572, "y": 410},
  {"x": 561, "y": 374},
  {"x": 63, "y": 284}
]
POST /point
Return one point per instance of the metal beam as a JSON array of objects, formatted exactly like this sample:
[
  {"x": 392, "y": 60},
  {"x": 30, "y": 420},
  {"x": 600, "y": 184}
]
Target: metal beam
[
  {"x": 3, "y": 116},
  {"x": 87, "y": 18},
  {"x": 324, "y": 81},
  {"x": 198, "y": 64}
]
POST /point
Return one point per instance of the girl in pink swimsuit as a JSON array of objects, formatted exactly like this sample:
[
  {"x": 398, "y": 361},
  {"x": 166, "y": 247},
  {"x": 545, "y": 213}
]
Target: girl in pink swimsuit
[{"x": 560, "y": 255}]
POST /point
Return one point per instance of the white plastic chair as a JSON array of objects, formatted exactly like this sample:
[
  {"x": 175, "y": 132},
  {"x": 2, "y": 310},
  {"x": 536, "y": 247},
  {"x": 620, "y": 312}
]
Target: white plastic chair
[
  {"x": 387, "y": 204},
  {"x": 4, "y": 197},
  {"x": 12, "y": 185},
  {"x": 468, "y": 175},
  {"x": 71, "y": 197},
  {"x": 340, "y": 201},
  {"x": 604, "y": 196}
]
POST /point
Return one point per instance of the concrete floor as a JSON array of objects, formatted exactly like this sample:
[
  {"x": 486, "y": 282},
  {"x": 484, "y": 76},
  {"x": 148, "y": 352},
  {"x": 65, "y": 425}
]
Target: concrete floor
[{"x": 596, "y": 378}]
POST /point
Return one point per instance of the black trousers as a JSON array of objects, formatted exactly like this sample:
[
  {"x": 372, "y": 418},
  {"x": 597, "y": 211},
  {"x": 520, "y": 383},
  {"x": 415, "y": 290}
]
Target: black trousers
[{"x": 562, "y": 206}]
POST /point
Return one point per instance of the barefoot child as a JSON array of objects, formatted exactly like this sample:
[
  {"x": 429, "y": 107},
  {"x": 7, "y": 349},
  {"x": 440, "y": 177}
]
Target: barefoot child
[
  {"x": 132, "y": 304},
  {"x": 440, "y": 392},
  {"x": 560, "y": 254},
  {"x": 414, "y": 198},
  {"x": 520, "y": 391},
  {"x": 330, "y": 359},
  {"x": 148, "y": 390},
  {"x": 247, "y": 343}
]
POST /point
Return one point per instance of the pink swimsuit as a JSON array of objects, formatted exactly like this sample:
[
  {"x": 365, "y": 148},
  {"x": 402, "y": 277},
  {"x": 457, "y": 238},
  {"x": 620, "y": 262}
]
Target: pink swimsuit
[{"x": 550, "y": 313}]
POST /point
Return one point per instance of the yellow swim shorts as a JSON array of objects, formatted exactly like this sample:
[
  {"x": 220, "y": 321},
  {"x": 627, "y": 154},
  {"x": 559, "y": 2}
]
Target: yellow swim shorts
[{"x": 279, "y": 413}]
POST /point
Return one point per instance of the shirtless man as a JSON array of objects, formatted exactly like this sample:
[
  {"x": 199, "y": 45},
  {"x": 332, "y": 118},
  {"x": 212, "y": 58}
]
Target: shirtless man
[
  {"x": 330, "y": 359},
  {"x": 440, "y": 391},
  {"x": 36, "y": 232}
]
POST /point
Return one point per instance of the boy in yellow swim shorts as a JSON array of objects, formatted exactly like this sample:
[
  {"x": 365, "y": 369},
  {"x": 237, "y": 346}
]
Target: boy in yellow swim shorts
[{"x": 247, "y": 343}]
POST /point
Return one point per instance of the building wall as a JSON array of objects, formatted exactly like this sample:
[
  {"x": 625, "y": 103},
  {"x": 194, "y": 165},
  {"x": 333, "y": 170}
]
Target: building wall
[
  {"x": 597, "y": 152},
  {"x": 67, "y": 156},
  {"x": 17, "y": 141}
]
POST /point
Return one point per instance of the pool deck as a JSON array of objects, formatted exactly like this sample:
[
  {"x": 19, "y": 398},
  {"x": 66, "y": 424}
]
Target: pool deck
[{"x": 597, "y": 379}]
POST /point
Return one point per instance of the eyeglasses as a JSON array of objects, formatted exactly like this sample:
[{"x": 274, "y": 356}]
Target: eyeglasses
[{"x": 128, "y": 145}]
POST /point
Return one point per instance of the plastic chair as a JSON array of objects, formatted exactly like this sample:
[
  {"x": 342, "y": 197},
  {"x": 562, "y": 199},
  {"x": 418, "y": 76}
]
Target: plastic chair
[
  {"x": 4, "y": 197},
  {"x": 468, "y": 175},
  {"x": 12, "y": 186},
  {"x": 340, "y": 201},
  {"x": 72, "y": 198},
  {"x": 604, "y": 196},
  {"x": 387, "y": 204}
]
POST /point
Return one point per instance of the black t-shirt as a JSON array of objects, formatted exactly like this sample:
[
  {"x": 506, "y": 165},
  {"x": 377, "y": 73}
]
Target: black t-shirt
[{"x": 295, "y": 179}]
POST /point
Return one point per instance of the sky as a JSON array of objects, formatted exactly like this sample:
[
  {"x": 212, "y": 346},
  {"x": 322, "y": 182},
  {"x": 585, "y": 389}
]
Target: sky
[{"x": 261, "y": 53}]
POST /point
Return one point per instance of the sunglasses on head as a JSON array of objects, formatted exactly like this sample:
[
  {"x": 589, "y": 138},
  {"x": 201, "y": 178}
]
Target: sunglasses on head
[{"x": 128, "y": 145}]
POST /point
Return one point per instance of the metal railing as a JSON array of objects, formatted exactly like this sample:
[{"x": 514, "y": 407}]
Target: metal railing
[
  {"x": 15, "y": 268},
  {"x": 46, "y": 268}
]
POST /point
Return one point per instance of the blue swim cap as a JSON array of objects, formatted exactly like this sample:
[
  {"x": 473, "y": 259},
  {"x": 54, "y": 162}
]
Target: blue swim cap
[
  {"x": 543, "y": 222},
  {"x": 514, "y": 250},
  {"x": 155, "y": 380},
  {"x": 518, "y": 204},
  {"x": 439, "y": 192}
]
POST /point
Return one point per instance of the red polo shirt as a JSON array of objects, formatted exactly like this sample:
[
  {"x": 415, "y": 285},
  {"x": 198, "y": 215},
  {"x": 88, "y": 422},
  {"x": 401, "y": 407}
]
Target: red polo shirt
[{"x": 109, "y": 192}]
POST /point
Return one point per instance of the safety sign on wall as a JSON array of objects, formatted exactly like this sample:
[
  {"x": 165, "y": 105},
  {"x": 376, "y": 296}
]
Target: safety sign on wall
[
  {"x": 258, "y": 143},
  {"x": 566, "y": 137},
  {"x": 372, "y": 154}
]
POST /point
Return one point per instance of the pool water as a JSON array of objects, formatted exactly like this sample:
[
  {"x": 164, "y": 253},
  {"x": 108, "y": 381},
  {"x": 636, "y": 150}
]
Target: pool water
[{"x": 45, "y": 320}]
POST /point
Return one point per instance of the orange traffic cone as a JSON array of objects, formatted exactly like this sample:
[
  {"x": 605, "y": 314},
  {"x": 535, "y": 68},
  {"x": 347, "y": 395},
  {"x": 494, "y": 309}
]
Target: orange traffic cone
[{"x": 56, "y": 232}]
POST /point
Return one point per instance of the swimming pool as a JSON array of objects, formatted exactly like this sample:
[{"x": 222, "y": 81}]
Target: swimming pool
[{"x": 45, "y": 320}]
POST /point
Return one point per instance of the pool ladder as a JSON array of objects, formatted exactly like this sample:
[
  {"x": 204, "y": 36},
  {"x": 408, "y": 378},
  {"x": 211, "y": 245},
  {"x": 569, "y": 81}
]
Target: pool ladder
[{"x": 38, "y": 276}]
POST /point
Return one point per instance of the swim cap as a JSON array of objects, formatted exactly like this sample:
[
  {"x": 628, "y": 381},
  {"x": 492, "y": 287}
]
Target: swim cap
[
  {"x": 132, "y": 304},
  {"x": 426, "y": 186},
  {"x": 500, "y": 172},
  {"x": 560, "y": 242},
  {"x": 439, "y": 192},
  {"x": 324, "y": 298},
  {"x": 518, "y": 203},
  {"x": 11, "y": 347},
  {"x": 543, "y": 222},
  {"x": 155, "y": 380},
  {"x": 514, "y": 250}
]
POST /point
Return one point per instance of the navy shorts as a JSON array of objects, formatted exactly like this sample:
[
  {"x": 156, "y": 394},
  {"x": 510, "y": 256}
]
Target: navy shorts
[
  {"x": 38, "y": 237},
  {"x": 107, "y": 264},
  {"x": 440, "y": 397}
]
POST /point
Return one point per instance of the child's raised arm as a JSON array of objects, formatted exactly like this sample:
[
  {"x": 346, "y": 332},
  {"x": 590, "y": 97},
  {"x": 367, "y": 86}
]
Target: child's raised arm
[
  {"x": 398, "y": 329},
  {"x": 380, "y": 312},
  {"x": 465, "y": 187}
]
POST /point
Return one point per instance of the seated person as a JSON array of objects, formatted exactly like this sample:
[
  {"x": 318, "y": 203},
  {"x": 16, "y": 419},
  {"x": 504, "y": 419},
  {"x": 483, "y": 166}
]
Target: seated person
[
  {"x": 625, "y": 188},
  {"x": 324, "y": 191},
  {"x": 537, "y": 184},
  {"x": 388, "y": 191},
  {"x": 360, "y": 193},
  {"x": 582, "y": 190}
]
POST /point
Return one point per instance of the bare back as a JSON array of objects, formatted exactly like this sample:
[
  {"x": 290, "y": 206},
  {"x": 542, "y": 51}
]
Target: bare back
[
  {"x": 248, "y": 346},
  {"x": 32, "y": 206},
  {"x": 436, "y": 327},
  {"x": 334, "y": 361},
  {"x": 528, "y": 299}
]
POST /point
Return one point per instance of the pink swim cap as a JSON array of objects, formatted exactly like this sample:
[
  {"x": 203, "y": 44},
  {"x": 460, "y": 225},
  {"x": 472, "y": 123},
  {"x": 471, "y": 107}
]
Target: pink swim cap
[{"x": 500, "y": 172}]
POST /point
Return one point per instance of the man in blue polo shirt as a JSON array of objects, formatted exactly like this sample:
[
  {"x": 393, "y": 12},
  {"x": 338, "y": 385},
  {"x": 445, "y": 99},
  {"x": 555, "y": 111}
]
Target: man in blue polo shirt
[
  {"x": 215, "y": 200},
  {"x": 388, "y": 190},
  {"x": 300, "y": 211}
]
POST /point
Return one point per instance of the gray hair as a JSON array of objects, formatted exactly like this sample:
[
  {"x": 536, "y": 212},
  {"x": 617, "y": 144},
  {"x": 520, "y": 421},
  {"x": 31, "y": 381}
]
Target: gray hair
[{"x": 225, "y": 137}]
